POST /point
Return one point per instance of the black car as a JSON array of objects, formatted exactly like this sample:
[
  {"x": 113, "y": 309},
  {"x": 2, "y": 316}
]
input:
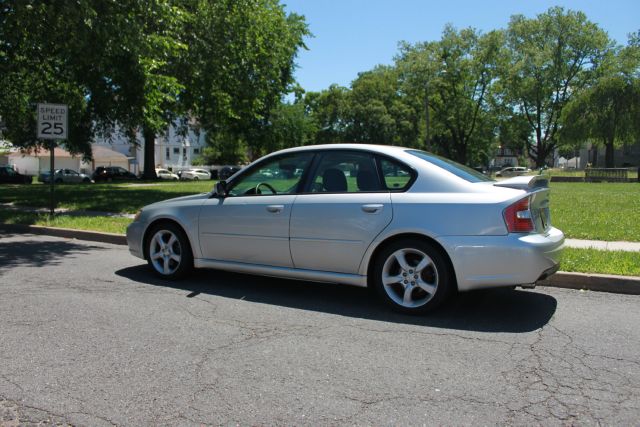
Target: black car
[
  {"x": 226, "y": 171},
  {"x": 112, "y": 173},
  {"x": 10, "y": 176}
]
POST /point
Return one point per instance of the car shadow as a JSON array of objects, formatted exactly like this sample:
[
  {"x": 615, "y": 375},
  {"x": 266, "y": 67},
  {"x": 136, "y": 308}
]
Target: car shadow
[
  {"x": 36, "y": 253},
  {"x": 493, "y": 310}
]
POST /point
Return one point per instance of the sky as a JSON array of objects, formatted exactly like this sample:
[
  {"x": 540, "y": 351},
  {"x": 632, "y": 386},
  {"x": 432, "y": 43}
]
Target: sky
[{"x": 351, "y": 36}]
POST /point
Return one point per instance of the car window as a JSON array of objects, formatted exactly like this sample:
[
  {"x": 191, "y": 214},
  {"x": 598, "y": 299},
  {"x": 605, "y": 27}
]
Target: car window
[
  {"x": 396, "y": 176},
  {"x": 455, "y": 168},
  {"x": 346, "y": 172},
  {"x": 275, "y": 176}
]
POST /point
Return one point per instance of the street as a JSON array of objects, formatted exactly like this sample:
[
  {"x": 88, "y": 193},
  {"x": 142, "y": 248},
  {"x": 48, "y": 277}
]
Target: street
[{"x": 88, "y": 336}]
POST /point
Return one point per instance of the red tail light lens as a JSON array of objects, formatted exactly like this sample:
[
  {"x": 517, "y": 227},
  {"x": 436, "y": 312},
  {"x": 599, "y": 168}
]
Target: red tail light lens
[{"x": 517, "y": 217}]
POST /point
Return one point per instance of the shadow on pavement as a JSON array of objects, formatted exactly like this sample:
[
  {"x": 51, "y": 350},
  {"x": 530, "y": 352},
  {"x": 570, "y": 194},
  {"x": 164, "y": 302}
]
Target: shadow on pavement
[
  {"x": 495, "y": 310},
  {"x": 36, "y": 253}
]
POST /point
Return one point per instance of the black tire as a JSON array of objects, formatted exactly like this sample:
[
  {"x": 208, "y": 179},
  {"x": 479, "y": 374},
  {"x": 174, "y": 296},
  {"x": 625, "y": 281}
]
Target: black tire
[
  {"x": 162, "y": 260},
  {"x": 407, "y": 289},
  {"x": 195, "y": 178},
  {"x": 86, "y": 180},
  {"x": 58, "y": 181}
]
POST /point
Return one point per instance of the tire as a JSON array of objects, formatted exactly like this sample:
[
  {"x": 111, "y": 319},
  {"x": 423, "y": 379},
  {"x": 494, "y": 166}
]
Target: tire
[
  {"x": 169, "y": 252},
  {"x": 86, "y": 180},
  {"x": 195, "y": 178},
  {"x": 412, "y": 276},
  {"x": 58, "y": 181}
]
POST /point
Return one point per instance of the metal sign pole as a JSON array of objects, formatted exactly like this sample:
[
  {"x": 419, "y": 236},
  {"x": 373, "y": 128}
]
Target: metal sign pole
[{"x": 52, "y": 203}]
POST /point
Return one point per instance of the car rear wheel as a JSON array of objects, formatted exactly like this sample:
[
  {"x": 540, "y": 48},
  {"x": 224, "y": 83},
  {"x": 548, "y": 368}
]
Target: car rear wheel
[
  {"x": 195, "y": 178},
  {"x": 169, "y": 253},
  {"x": 412, "y": 276}
]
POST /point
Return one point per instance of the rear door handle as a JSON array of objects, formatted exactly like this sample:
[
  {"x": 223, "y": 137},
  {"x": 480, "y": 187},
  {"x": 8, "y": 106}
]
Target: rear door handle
[
  {"x": 372, "y": 208},
  {"x": 275, "y": 208}
]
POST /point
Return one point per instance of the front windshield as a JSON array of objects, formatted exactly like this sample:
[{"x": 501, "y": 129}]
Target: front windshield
[{"x": 461, "y": 171}]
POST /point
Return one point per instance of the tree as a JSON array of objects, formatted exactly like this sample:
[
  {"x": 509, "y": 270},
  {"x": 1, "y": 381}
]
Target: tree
[
  {"x": 552, "y": 57},
  {"x": 454, "y": 76},
  {"x": 49, "y": 52},
  {"x": 377, "y": 112},
  {"x": 242, "y": 53},
  {"x": 328, "y": 109}
]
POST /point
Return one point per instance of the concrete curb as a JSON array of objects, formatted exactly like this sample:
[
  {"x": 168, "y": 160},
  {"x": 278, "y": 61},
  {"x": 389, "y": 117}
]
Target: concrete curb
[
  {"x": 593, "y": 282},
  {"x": 67, "y": 233}
]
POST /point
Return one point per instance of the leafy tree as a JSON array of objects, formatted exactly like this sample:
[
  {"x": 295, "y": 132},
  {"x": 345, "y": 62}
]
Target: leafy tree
[
  {"x": 608, "y": 111},
  {"x": 454, "y": 76},
  {"x": 49, "y": 52},
  {"x": 377, "y": 112},
  {"x": 242, "y": 57},
  {"x": 329, "y": 110},
  {"x": 552, "y": 57},
  {"x": 289, "y": 126}
]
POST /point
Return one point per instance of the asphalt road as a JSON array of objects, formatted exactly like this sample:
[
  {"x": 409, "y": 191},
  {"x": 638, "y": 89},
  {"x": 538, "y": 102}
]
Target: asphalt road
[{"x": 89, "y": 337}]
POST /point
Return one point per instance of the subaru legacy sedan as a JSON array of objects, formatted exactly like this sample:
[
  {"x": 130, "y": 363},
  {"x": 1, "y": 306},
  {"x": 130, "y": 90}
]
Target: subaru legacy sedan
[{"x": 413, "y": 226}]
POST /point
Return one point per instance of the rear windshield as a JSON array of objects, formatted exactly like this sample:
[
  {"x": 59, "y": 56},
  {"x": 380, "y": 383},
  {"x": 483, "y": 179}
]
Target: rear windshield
[{"x": 461, "y": 171}]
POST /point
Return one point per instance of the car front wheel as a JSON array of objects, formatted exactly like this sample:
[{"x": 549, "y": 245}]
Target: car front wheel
[
  {"x": 169, "y": 252},
  {"x": 412, "y": 276}
]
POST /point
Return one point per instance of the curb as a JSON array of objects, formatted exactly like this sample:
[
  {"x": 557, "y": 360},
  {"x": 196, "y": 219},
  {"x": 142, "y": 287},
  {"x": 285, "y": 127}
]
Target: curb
[
  {"x": 629, "y": 285},
  {"x": 67, "y": 233}
]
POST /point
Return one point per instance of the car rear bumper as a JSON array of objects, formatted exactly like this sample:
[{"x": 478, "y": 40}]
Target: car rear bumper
[
  {"x": 496, "y": 261},
  {"x": 135, "y": 234}
]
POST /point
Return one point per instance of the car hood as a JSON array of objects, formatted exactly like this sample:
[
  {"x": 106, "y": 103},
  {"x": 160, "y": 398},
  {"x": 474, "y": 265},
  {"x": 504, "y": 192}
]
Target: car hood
[{"x": 182, "y": 199}]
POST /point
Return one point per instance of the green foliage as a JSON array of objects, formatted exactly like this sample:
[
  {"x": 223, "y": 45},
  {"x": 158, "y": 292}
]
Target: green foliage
[
  {"x": 551, "y": 58},
  {"x": 607, "y": 112},
  {"x": 329, "y": 110},
  {"x": 601, "y": 262},
  {"x": 454, "y": 77}
]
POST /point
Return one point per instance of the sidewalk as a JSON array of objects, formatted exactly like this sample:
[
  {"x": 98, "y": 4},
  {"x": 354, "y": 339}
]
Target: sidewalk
[{"x": 603, "y": 246}]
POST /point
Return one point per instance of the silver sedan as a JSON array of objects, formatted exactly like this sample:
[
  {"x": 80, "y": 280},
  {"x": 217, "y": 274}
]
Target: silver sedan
[{"x": 414, "y": 226}]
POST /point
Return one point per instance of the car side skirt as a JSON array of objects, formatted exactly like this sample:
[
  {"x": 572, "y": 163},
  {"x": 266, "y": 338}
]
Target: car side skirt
[{"x": 283, "y": 272}]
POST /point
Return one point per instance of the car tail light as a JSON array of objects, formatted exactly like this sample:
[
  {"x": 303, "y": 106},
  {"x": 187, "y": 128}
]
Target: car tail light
[{"x": 517, "y": 217}]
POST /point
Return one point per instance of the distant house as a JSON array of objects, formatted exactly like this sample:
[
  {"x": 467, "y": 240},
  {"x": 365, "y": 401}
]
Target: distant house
[
  {"x": 626, "y": 156},
  {"x": 173, "y": 150},
  {"x": 506, "y": 157}
]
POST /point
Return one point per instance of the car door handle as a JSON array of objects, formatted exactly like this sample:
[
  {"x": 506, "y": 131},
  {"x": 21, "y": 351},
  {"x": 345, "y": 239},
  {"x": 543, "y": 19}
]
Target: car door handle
[
  {"x": 372, "y": 208},
  {"x": 275, "y": 208}
]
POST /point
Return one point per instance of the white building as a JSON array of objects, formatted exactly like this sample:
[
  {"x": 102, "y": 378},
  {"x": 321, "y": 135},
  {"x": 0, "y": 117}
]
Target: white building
[{"x": 172, "y": 150}]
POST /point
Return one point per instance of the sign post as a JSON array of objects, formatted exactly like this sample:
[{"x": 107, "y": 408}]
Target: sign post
[{"x": 52, "y": 125}]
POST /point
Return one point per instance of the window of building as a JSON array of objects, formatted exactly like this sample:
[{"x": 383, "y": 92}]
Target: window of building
[{"x": 167, "y": 154}]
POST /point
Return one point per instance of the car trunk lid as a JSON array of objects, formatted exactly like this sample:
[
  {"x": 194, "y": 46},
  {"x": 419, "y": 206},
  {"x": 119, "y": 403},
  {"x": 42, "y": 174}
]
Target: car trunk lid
[{"x": 537, "y": 186}]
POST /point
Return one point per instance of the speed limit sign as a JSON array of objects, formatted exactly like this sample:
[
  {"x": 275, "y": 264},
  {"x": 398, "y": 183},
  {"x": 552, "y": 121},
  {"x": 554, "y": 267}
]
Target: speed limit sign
[{"x": 52, "y": 121}]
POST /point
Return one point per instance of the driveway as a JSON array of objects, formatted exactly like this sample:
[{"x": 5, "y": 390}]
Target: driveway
[{"x": 90, "y": 337}]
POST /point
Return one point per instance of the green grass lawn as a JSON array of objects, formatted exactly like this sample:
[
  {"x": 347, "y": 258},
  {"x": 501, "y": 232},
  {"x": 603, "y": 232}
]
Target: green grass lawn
[
  {"x": 118, "y": 198},
  {"x": 602, "y": 262},
  {"x": 597, "y": 211}
]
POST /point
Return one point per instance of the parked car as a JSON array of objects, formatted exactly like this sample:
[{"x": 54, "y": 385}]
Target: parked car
[
  {"x": 112, "y": 173},
  {"x": 166, "y": 174},
  {"x": 513, "y": 171},
  {"x": 9, "y": 176},
  {"x": 227, "y": 171},
  {"x": 65, "y": 175},
  {"x": 195, "y": 174},
  {"x": 415, "y": 237}
]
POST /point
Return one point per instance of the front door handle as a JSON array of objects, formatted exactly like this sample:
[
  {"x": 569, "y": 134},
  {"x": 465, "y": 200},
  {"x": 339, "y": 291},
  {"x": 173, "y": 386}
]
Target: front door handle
[
  {"x": 275, "y": 208},
  {"x": 372, "y": 208}
]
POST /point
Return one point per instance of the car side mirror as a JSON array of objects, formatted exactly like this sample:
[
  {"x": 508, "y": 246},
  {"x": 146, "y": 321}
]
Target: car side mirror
[{"x": 221, "y": 188}]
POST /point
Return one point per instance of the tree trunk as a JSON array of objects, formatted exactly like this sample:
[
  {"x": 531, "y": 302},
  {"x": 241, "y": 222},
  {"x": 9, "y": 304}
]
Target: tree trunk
[
  {"x": 608, "y": 155},
  {"x": 149, "y": 154}
]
